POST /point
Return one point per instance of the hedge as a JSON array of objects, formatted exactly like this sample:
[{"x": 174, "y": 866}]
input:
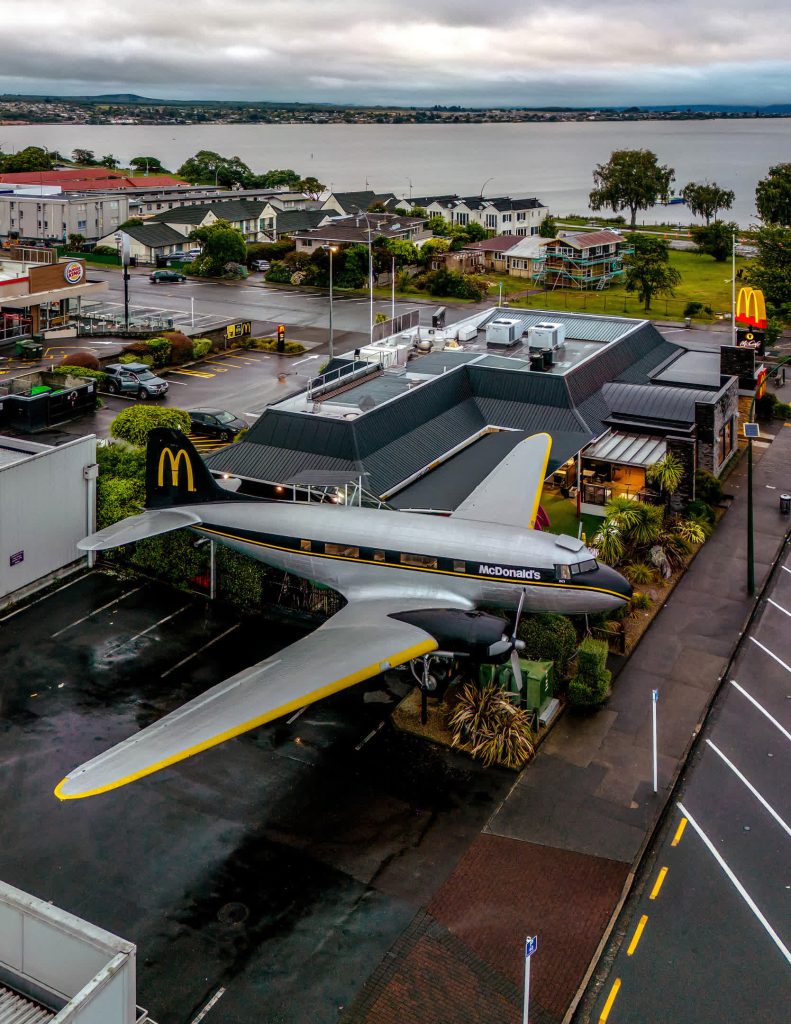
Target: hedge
[
  {"x": 65, "y": 370},
  {"x": 133, "y": 424},
  {"x": 591, "y": 685},
  {"x": 549, "y": 637}
]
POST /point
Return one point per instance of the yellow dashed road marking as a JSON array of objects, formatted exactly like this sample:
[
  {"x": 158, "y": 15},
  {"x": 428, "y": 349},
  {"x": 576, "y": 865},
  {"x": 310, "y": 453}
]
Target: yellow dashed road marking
[
  {"x": 638, "y": 932},
  {"x": 658, "y": 884}
]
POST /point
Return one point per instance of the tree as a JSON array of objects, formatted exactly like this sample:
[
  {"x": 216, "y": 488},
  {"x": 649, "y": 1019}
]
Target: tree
[
  {"x": 431, "y": 247},
  {"x": 76, "y": 241},
  {"x": 32, "y": 158},
  {"x": 311, "y": 186},
  {"x": 771, "y": 270},
  {"x": 667, "y": 474},
  {"x": 405, "y": 252},
  {"x": 715, "y": 239},
  {"x": 707, "y": 199},
  {"x": 85, "y": 157},
  {"x": 277, "y": 178},
  {"x": 632, "y": 179},
  {"x": 147, "y": 165},
  {"x": 773, "y": 196},
  {"x": 648, "y": 270},
  {"x": 209, "y": 168},
  {"x": 221, "y": 244},
  {"x": 134, "y": 423},
  {"x": 131, "y": 223},
  {"x": 109, "y": 161},
  {"x": 548, "y": 227}
]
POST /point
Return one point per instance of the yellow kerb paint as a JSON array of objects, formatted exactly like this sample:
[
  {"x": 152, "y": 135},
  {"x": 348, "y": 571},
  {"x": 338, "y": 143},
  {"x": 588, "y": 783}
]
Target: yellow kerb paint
[
  {"x": 610, "y": 1000},
  {"x": 658, "y": 884},
  {"x": 637, "y": 934},
  {"x": 679, "y": 832}
]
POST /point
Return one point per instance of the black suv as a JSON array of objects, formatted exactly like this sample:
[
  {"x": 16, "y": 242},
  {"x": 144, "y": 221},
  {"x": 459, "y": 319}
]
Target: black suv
[{"x": 216, "y": 423}]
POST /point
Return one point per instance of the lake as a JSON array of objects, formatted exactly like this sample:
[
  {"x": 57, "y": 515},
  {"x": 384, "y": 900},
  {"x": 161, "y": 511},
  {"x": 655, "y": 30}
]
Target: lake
[{"x": 551, "y": 161}]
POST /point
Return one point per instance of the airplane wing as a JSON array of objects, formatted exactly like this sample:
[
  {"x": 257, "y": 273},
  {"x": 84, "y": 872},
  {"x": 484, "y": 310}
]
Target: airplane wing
[
  {"x": 357, "y": 643},
  {"x": 510, "y": 494},
  {"x": 148, "y": 524}
]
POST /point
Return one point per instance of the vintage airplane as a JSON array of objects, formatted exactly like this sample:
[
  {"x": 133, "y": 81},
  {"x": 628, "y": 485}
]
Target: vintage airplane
[{"x": 414, "y": 584}]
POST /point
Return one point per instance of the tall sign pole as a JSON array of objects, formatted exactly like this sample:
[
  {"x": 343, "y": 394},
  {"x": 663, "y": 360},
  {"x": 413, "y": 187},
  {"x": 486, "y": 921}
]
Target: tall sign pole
[
  {"x": 125, "y": 259},
  {"x": 733, "y": 287},
  {"x": 654, "y": 702},
  {"x": 531, "y": 945}
]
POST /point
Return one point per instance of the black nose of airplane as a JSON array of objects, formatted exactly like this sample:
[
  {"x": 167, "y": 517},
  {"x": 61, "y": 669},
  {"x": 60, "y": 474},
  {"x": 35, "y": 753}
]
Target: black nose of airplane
[{"x": 608, "y": 579}]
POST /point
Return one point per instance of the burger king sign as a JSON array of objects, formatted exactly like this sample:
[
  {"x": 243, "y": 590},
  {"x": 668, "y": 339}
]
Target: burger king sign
[{"x": 74, "y": 272}]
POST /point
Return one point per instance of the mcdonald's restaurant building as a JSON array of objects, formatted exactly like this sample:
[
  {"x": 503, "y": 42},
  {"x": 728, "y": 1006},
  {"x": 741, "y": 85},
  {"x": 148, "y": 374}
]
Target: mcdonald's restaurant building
[{"x": 41, "y": 295}]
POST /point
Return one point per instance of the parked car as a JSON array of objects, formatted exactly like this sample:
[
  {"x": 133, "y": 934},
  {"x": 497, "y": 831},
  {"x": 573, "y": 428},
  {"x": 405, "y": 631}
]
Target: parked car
[
  {"x": 163, "y": 276},
  {"x": 216, "y": 423},
  {"x": 193, "y": 254},
  {"x": 134, "y": 379},
  {"x": 178, "y": 255},
  {"x": 260, "y": 264}
]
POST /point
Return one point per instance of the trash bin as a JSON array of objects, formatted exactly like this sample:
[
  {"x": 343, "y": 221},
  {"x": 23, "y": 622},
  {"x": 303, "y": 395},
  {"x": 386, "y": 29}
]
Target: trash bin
[
  {"x": 687, "y": 321},
  {"x": 785, "y": 504},
  {"x": 29, "y": 349}
]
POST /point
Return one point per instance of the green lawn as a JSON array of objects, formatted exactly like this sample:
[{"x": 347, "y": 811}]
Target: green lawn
[
  {"x": 562, "y": 514},
  {"x": 703, "y": 280}
]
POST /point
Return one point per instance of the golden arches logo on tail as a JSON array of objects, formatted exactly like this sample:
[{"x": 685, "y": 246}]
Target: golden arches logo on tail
[
  {"x": 175, "y": 462},
  {"x": 751, "y": 308}
]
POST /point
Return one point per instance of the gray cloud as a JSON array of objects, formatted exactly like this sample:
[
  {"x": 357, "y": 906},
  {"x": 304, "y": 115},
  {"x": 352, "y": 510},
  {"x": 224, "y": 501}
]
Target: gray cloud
[{"x": 372, "y": 51}]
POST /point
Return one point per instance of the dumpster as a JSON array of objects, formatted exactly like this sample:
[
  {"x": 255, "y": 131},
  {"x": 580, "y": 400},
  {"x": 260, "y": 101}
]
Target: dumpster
[{"x": 29, "y": 349}]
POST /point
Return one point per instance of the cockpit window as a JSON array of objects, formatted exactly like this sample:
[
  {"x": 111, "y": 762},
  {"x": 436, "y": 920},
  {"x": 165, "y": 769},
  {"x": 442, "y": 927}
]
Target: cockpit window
[
  {"x": 588, "y": 565},
  {"x": 563, "y": 572}
]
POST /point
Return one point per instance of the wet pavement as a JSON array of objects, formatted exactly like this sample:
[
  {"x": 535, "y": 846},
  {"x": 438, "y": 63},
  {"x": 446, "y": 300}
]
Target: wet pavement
[{"x": 280, "y": 866}]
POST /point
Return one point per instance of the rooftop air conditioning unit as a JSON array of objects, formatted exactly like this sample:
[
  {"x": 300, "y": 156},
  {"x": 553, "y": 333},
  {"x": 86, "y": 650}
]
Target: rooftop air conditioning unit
[
  {"x": 467, "y": 333},
  {"x": 546, "y": 336},
  {"x": 503, "y": 333}
]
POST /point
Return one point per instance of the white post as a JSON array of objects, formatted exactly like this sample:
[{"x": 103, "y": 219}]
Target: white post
[
  {"x": 212, "y": 569},
  {"x": 654, "y": 701},
  {"x": 531, "y": 944},
  {"x": 500, "y": 297},
  {"x": 192, "y": 310},
  {"x": 392, "y": 288},
  {"x": 371, "y": 280}
]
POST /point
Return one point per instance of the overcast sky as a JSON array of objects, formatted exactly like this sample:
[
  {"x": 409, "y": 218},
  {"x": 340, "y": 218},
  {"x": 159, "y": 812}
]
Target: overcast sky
[{"x": 481, "y": 52}]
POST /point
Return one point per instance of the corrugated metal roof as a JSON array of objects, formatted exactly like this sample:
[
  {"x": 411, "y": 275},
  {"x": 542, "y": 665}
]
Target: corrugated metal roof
[
  {"x": 272, "y": 464},
  {"x": 654, "y": 402},
  {"x": 628, "y": 449},
  {"x": 579, "y": 326},
  {"x": 15, "y": 1009},
  {"x": 641, "y": 342}
]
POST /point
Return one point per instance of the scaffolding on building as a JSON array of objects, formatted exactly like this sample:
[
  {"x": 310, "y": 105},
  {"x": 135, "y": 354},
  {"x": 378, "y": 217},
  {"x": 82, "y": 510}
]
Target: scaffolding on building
[{"x": 567, "y": 268}]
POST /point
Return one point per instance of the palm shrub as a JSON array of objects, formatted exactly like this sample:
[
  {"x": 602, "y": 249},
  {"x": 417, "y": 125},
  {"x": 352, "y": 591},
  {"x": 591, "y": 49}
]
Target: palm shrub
[
  {"x": 639, "y": 601},
  {"x": 707, "y": 487},
  {"x": 674, "y": 546},
  {"x": 639, "y": 573},
  {"x": 591, "y": 685},
  {"x": 667, "y": 474},
  {"x": 644, "y": 524},
  {"x": 488, "y": 725},
  {"x": 609, "y": 543},
  {"x": 691, "y": 531}
]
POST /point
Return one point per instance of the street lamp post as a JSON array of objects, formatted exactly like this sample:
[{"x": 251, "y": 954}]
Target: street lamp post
[
  {"x": 733, "y": 287},
  {"x": 332, "y": 350},
  {"x": 370, "y": 278}
]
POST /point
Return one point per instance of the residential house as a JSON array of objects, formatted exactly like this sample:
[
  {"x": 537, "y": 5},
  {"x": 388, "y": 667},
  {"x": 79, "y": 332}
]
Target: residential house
[
  {"x": 492, "y": 252},
  {"x": 147, "y": 201},
  {"x": 361, "y": 229},
  {"x": 282, "y": 223},
  {"x": 244, "y": 214},
  {"x": 501, "y": 215},
  {"x": 346, "y": 203},
  {"x": 584, "y": 260},
  {"x": 147, "y": 241}
]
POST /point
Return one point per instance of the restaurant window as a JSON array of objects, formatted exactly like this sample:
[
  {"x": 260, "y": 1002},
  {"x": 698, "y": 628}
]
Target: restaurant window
[
  {"x": 342, "y": 550},
  {"x": 419, "y": 561},
  {"x": 726, "y": 440}
]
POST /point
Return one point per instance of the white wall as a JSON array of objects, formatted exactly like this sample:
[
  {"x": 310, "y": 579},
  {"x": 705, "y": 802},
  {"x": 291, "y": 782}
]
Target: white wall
[{"x": 44, "y": 511}]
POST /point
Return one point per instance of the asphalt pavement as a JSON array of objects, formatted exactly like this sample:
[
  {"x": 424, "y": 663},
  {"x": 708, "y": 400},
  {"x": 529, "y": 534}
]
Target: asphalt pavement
[
  {"x": 707, "y": 937},
  {"x": 279, "y": 867}
]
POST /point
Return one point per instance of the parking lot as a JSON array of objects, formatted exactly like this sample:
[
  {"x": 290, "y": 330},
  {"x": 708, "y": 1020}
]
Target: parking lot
[
  {"x": 707, "y": 936},
  {"x": 278, "y": 867}
]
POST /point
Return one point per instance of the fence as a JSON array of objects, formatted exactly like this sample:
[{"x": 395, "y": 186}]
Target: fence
[{"x": 92, "y": 257}]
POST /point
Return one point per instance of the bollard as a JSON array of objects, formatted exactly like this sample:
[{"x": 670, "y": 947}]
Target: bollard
[
  {"x": 785, "y": 504},
  {"x": 281, "y": 378}
]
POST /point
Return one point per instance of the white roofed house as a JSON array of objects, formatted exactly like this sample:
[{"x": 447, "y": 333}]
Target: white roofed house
[{"x": 147, "y": 241}]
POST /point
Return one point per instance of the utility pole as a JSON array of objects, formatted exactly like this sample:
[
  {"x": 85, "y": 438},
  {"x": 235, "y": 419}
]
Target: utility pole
[
  {"x": 125, "y": 259},
  {"x": 332, "y": 346},
  {"x": 733, "y": 287}
]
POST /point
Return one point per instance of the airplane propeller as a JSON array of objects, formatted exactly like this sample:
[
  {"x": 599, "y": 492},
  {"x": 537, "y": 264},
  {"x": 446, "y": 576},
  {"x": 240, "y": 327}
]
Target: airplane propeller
[{"x": 517, "y": 645}]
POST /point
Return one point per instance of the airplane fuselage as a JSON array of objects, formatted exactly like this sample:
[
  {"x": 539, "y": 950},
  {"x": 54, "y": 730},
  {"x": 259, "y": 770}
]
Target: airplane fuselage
[{"x": 367, "y": 553}]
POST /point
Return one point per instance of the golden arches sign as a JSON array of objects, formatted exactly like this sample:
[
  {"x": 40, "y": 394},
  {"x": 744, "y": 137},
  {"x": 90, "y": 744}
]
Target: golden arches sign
[
  {"x": 175, "y": 461},
  {"x": 751, "y": 308}
]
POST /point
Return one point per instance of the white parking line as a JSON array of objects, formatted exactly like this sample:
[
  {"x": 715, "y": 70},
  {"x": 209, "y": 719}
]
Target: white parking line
[
  {"x": 762, "y": 709},
  {"x": 785, "y": 568},
  {"x": 143, "y": 632},
  {"x": 97, "y": 610},
  {"x": 307, "y": 359},
  {"x": 199, "y": 651},
  {"x": 751, "y": 787},
  {"x": 766, "y": 649},
  {"x": 737, "y": 884},
  {"x": 46, "y": 597},
  {"x": 780, "y": 607}
]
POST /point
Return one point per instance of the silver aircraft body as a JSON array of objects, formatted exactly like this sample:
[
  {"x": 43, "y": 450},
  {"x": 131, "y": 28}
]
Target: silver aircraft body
[{"x": 414, "y": 584}]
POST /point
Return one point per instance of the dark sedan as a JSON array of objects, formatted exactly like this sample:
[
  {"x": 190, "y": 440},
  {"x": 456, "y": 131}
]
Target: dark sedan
[{"x": 216, "y": 423}]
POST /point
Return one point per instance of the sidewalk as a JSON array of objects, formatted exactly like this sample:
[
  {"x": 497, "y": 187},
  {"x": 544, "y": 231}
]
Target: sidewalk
[{"x": 555, "y": 857}]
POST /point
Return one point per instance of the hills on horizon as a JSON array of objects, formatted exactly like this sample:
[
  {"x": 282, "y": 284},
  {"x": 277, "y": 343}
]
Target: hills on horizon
[{"x": 132, "y": 99}]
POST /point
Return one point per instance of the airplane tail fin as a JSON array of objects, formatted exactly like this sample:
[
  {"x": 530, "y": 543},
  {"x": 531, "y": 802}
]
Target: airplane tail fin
[{"x": 177, "y": 475}]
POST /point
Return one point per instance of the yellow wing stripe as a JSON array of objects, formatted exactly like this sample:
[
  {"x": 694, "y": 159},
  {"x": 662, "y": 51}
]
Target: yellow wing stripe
[
  {"x": 325, "y": 691},
  {"x": 542, "y": 477}
]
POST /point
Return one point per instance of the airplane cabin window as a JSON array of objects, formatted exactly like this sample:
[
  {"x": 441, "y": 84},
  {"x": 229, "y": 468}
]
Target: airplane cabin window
[
  {"x": 459, "y": 566},
  {"x": 341, "y": 549},
  {"x": 419, "y": 561},
  {"x": 379, "y": 556},
  {"x": 305, "y": 545}
]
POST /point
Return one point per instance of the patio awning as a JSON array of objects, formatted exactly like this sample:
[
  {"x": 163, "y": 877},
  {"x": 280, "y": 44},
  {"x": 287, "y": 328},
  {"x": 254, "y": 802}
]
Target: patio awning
[{"x": 627, "y": 449}]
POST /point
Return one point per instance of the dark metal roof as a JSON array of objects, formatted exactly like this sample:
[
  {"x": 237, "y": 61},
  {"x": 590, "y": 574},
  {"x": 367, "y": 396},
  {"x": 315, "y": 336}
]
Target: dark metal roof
[
  {"x": 154, "y": 235},
  {"x": 654, "y": 402},
  {"x": 300, "y": 220},
  {"x": 230, "y": 210},
  {"x": 638, "y": 345}
]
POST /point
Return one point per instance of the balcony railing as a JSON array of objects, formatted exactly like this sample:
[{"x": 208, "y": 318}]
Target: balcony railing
[{"x": 602, "y": 494}]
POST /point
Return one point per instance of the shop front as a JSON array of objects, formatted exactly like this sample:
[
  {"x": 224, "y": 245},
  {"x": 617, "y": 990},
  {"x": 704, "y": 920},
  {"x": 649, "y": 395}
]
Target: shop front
[{"x": 44, "y": 298}]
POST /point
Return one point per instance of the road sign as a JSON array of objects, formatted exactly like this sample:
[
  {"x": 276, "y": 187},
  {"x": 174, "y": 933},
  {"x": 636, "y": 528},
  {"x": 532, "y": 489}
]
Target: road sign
[
  {"x": 655, "y": 696},
  {"x": 531, "y": 945},
  {"x": 239, "y": 330}
]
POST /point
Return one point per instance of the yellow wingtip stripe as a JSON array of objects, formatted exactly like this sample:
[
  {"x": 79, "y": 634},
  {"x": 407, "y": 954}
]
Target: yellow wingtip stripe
[
  {"x": 424, "y": 647},
  {"x": 542, "y": 477}
]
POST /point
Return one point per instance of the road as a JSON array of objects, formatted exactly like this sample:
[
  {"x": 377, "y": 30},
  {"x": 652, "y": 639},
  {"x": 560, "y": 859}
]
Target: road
[{"x": 706, "y": 937}]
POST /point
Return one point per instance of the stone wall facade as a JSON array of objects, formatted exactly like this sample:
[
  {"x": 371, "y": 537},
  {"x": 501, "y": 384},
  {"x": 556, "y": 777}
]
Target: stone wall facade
[{"x": 717, "y": 429}]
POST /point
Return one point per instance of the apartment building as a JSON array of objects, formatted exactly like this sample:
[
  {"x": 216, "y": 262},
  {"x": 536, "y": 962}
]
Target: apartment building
[{"x": 29, "y": 216}]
